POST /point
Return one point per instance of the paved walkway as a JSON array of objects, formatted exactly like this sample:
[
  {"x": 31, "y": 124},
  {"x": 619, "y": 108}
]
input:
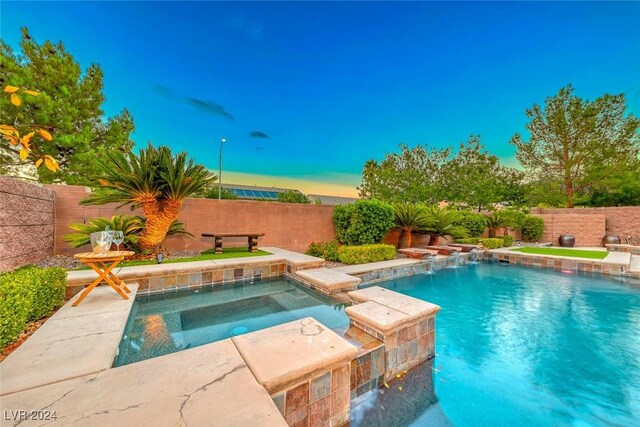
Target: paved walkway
[
  {"x": 207, "y": 385},
  {"x": 75, "y": 341}
]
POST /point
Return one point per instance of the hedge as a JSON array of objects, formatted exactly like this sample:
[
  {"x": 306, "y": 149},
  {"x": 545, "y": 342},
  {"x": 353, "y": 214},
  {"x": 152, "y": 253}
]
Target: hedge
[
  {"x": 326, "y": 250},
  {"x": 363, "y": 222},
  {"x": 532, "y": 228},
  {"x": 473, "y": 222},
  {"x": 366, "y": 253},
  {"x": 487, "y": 242},
  {"x": 29, "y": 293}
]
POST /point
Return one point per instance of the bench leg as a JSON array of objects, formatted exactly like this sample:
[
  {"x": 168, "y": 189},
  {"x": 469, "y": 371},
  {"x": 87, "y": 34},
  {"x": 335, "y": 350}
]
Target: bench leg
[
  {"x": 253, "y": 243},
  {"x": 218, "y": 244}
]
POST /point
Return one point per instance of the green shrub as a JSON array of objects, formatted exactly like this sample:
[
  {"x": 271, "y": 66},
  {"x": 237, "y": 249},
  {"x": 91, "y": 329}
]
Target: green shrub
[
  {"x": 363, "y": 222},
  {"x": 27, "y": 294},
  {"x": 326, "y": 250},
  {"x": 292, "y": 197},
  {"x": 507, "y": 241},
  {"x": 532, "y": 228},
  {"x": 487, "y": 242},
  {"x": 366, "y": 253},
  {"x": 474, "y": 223}
]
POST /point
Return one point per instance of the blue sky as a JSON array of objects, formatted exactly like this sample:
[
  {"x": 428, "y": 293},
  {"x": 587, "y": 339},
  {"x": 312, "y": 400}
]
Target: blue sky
[{"x": 335, "y": 84}]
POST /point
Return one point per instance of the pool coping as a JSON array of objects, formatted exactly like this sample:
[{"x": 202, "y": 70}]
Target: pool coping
[{"x": 93, "y": 330}]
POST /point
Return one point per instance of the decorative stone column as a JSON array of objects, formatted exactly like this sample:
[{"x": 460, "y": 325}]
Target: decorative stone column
[
  {"x": 404, "y": 324},
  {"x": 305, "y": 368}
]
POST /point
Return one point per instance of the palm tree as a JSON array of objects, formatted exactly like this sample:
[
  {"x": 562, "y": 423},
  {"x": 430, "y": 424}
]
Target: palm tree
[
  {"x": 497, "y": 220},
  {"x": 156, "y": 181},
  {"x": 443, "y": 222},
  {"x": 408, "y": 217}
]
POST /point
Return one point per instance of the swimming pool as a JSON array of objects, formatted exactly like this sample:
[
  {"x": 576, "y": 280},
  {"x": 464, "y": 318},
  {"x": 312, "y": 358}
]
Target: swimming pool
[
  {"x": 172, "y": 321},
  {"x": 519, "y": 346}
]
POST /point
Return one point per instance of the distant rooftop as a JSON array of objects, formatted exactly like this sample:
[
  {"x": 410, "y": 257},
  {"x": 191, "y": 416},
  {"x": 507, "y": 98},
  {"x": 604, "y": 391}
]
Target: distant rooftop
[
  {"x": 256, "y": 192},
  {"x": 331, "y": 200}
]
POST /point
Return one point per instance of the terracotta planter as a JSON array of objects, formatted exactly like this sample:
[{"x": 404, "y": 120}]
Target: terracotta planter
[
  {"x": 567, "y": 240},
  {"x": 610, "y": 239}
]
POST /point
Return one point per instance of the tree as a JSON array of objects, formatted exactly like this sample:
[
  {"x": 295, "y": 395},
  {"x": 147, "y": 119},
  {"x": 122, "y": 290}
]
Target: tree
[
  {"x": 411, "y": 176},
  {"x": 476, "y": 179},
  {"x": 619, "y": 190},
  {"x": 212, "y": 193},
  {"x": 155, "y": 180},
  {"x": 578, "y": 143},
  {"x": 408, "y": 217},
  {"x": 291, "y": 196},
  {"x": 69, "y": 107},
  {"x": 22, "y": 139}
]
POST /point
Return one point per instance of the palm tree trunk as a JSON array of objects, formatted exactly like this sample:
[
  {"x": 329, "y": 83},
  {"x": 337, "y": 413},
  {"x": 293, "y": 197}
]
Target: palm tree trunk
[
  {"x": 160, "y": 215},
  {"x": 405, "y": 238}
]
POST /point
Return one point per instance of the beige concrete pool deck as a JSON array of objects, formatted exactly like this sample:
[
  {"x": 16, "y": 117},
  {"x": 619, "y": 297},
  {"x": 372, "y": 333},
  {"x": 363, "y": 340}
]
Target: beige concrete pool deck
[
  {"x": 207, "y": 385},
  {"x": 75, "y": 341}
]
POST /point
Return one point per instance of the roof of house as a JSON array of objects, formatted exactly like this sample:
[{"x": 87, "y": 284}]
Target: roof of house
[{"x": 331, "y": 200}]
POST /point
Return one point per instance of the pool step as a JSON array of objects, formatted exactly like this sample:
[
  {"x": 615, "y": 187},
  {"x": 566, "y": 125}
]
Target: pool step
[{"x": 328, "y": 280}]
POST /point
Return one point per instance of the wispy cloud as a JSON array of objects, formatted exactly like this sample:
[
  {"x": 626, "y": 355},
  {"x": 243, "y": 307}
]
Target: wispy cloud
[
  {"x": 201, "y": 104},
  {"x": 258, "y": 134}
]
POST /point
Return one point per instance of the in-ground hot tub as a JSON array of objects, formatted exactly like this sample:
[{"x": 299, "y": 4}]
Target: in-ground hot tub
[{"x": 176, "y": 320}]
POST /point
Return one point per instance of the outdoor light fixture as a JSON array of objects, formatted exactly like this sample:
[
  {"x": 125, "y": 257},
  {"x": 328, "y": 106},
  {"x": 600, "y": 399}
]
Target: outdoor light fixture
[
  {"x": 222, "y": 141},
  {"x": 160, "y": 257}
]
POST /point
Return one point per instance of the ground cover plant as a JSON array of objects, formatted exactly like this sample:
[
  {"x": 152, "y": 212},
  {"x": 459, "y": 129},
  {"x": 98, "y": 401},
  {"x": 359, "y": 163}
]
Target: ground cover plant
[{"x": 579, "y": 253}]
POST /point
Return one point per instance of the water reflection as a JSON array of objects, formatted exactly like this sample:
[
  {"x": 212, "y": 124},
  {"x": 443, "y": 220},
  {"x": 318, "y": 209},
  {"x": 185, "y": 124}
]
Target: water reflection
[
  {"x": 520, "y": 344},
  {"x": 406, "y": 401}
]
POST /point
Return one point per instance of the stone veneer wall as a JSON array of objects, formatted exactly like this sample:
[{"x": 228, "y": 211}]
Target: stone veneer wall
[
  {"x": 323, "y": 400},
  {"x": 290, "y": 226},
  {"x": 406, "y": 347},
  {"x": 26, "y": 223},
  {"x": 151, "y": 281},
  {"x": 421, "y": 267},
  {"x": 594, "y": 268}
]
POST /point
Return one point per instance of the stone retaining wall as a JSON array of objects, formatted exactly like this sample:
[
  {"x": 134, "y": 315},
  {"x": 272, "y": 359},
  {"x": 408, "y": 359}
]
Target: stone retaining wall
[{"x": 26, "y": 223}]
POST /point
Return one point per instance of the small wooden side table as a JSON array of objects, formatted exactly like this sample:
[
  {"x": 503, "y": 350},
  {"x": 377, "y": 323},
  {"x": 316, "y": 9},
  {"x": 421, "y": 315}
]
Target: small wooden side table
[{"x": 103, "y": 264}]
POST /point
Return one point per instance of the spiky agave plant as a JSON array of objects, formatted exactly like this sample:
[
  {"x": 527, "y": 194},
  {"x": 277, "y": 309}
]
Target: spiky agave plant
[
  {"x": 443, "y": 222},
  {"x": 409, "y": 217},
  {"x": 130, "y": 225},
  {"x": 155, "y": 180}
]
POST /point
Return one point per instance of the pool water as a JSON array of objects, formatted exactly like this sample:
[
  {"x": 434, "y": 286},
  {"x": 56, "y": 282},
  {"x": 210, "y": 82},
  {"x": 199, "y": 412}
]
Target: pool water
[
  {"x": 173, "y": 321},
  {"x": 519, "y": 346}
]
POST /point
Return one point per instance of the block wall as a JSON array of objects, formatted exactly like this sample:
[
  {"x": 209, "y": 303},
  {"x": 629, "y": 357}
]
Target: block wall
[{"x": 26, "y": 223}]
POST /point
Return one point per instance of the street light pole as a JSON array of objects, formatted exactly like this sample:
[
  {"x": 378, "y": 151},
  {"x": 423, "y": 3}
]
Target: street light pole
[{"x": 222, "y": 141}]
